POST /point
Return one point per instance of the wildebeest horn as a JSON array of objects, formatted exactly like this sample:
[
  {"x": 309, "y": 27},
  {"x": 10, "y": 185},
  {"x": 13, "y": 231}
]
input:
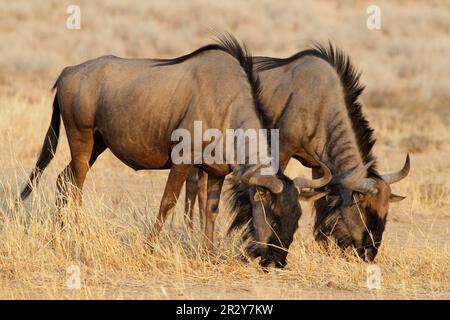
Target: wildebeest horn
[
  {"x": 312, "y": 195},
  {"x": 301, "y": 183},
  {"x": 397, "y": 176},
  {"x": 254, "y": 177},
  {"x": 357, "y": 181}
]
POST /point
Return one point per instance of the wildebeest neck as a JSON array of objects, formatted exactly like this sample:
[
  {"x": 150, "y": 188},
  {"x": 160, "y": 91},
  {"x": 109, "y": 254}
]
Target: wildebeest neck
[{"x": 312, "y": 97}]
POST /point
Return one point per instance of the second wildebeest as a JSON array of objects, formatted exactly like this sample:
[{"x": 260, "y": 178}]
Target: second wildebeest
[
  {"x": 132, "y": 107},
  {"x": 312, "y": 98}
]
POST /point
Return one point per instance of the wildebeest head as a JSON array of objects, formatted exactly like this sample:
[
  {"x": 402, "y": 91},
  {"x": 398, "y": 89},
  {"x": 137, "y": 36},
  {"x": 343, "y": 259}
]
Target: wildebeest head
[
  {"x": 356, "y": 216},
  {"x": 271, "y": 212}
]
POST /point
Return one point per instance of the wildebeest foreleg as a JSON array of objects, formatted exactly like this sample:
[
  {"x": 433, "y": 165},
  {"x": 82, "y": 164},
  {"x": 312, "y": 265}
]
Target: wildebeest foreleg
[
  {"x": 190, "y": 197},
  {"x": 212, "y": 208},
  {"x": 175, "y": 181},
  {"x": 320, "y": 206},
  {"x": 202, "y": 189},
  {"x": 196, "y": 185}
]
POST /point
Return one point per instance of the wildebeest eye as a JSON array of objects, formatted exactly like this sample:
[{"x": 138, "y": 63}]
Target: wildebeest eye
[
  {"x": 261, "y": 194},
  {"x": 274, "y": 225}
]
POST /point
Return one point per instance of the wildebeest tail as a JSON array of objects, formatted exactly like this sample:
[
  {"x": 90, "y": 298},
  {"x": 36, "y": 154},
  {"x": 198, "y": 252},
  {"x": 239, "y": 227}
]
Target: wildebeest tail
[{"x": 47, "y": 152}]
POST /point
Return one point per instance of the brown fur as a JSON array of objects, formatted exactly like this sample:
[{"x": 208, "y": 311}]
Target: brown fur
[
  {"x": 379, "y": 203},
  {"x": 132, "y": 107},
  {"x": 312, "y": 97}
]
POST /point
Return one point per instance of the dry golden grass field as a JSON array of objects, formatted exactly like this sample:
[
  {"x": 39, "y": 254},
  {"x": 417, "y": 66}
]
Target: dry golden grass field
[{"x": 405, "y": 67}]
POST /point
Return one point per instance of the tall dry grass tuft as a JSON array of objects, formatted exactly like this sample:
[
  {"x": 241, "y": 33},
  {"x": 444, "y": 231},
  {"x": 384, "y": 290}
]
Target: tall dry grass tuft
[
  {"x": 405, "y": 67},
  {"x": 105, "y": 238}
]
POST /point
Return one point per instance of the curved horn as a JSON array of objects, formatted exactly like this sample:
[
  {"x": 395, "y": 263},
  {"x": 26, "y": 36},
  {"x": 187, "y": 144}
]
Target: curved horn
[
  {"x": 399, "y": 175},
  {"x": 302, "y": 183},
  {"x": 312, "y": 195},
  {"x": 357, "y": 181},
  {"x": 254, "y": 177}
]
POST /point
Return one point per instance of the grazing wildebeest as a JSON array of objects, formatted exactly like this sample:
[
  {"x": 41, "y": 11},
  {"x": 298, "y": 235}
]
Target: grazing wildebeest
[
  {"x": 132, "y": 107},
  {"x": 312, "y": 98}
]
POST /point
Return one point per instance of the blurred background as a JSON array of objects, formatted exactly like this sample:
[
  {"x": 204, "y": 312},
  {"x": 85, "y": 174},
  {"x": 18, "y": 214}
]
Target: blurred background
[
  {"x": 405, "y": 64},
  {"x": 408, "y": 55}
]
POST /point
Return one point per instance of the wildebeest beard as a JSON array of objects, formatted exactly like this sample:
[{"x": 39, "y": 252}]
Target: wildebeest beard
[
  {"x": 329, "y": 220},
  {"x": 333, "y": 221},
  {"x": 280, "y": 222}
]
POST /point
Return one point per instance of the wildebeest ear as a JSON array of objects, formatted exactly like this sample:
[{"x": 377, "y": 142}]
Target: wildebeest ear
[
  {"x": 395, "y": 198},
  {"x": 312, "y": 195}
]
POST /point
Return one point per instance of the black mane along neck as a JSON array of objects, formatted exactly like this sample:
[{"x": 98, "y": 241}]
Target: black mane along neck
[{"x": 349, "y": 77}]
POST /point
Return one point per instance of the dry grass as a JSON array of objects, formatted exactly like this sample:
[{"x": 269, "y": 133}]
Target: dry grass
[{"x": 406, "y": 71}]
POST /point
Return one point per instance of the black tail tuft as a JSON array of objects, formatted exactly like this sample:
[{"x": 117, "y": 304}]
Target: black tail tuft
[{"x": 47, "y": 152}]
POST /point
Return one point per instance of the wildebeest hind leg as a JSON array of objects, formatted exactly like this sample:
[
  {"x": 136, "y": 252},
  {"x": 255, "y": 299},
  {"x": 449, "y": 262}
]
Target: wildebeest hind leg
[
  {"x": 175, "y": 181},
  {"x": 70, "y": 181},
  {"x": 64, "y": 184}
]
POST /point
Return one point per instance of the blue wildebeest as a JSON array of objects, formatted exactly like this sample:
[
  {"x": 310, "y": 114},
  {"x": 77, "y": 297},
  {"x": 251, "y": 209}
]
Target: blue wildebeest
[
  {"x": 312, "y": 98},
  {"x": 132, "y": 107}
]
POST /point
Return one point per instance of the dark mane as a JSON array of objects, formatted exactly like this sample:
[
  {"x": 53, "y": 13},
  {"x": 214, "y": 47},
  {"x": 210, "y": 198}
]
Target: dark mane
[
  {"x": 229, "y": 44},
  {"x": 349, "y": 77},
  {"x": 240, "y": 203},
  {"x": 240, "y": 206}
]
